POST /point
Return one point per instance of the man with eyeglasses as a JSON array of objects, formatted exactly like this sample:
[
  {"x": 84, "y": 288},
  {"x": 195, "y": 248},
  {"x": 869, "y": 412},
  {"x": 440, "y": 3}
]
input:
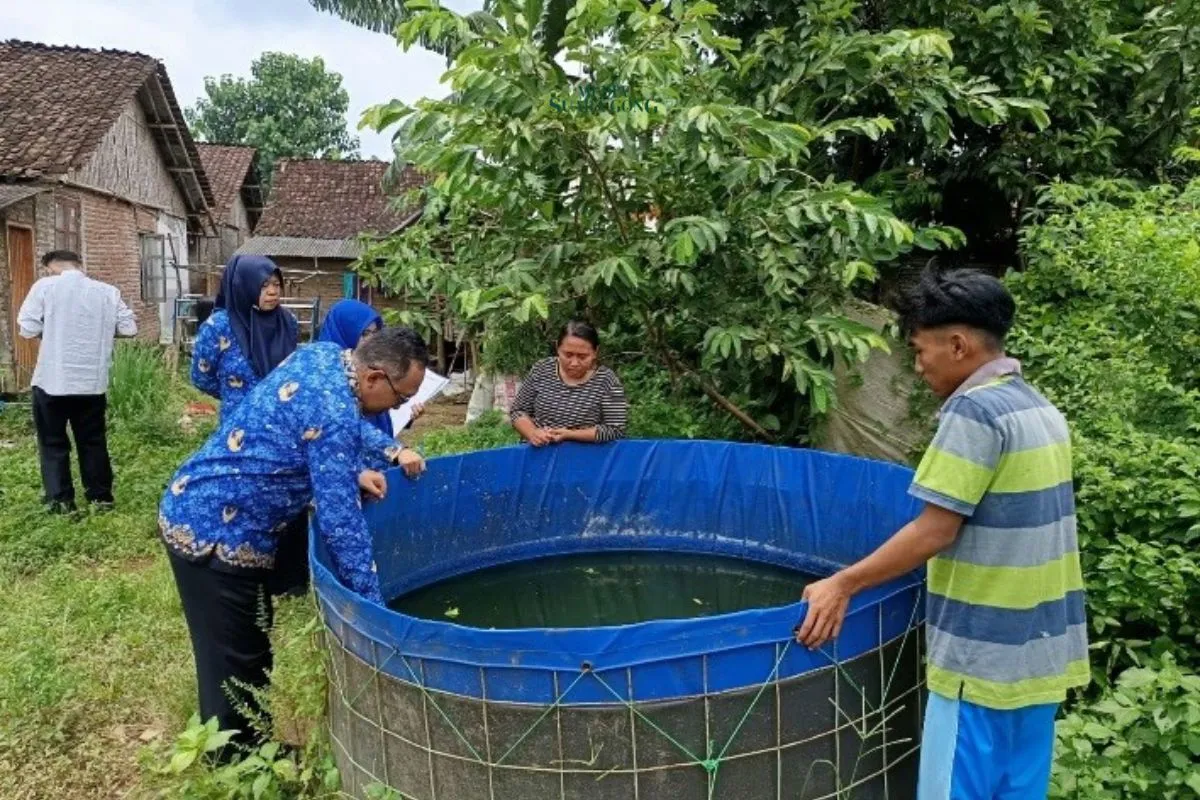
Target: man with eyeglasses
[{"x": 298, "y": 436}]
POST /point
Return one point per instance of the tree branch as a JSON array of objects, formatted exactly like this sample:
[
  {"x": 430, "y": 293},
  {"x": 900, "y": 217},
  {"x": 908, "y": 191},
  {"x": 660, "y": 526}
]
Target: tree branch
[
  {"x": 612, "y": 201},
  {"x": 715, "y": 395}
]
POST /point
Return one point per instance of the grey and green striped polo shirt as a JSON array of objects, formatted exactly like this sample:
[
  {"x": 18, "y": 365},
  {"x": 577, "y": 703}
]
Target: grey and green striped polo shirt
[{"x": 1006, "y": 625}]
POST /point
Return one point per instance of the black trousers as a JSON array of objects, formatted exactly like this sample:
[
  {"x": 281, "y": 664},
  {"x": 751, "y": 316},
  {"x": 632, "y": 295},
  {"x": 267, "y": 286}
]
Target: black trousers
[
  {"x": 228, "y": 617},
  {"x": 290, "y": 576},
  {"x": 85, "y": 414}
]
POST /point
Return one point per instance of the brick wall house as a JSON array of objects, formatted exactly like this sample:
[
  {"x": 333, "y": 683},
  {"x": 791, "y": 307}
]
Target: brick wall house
[
  {"x": 95, "y": 156},
  {"x": 316, "y": 212}
]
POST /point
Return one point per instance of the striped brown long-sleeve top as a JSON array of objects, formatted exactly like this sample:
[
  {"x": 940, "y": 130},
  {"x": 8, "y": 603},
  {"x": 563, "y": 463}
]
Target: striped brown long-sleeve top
[{"x": 599, "y": 402}]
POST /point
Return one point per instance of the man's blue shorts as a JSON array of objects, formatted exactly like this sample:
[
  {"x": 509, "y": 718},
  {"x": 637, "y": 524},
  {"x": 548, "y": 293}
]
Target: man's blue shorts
[{"x": 969, "y": 752}]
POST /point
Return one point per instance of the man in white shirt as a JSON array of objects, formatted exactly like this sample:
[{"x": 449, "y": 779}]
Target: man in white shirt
[{"x": 76, "y": 318}]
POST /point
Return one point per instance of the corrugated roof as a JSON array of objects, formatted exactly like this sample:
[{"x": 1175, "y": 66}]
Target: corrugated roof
[
  {"x": 325, "y": 199},
  {"x": 15, "y": 193},
  {"x": 300, "y": 247}
]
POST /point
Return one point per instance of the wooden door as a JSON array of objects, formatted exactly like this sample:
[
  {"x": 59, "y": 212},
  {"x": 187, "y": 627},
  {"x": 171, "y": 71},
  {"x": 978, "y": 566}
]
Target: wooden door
[{"x": 22, "y": 273}]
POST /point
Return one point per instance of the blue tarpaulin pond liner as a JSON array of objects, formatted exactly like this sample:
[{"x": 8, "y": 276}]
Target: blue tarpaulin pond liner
[{"x": 722, "y": 706}]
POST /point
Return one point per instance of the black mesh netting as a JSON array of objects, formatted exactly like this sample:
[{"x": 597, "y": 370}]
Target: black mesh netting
[{"x": 849, "y": 731}]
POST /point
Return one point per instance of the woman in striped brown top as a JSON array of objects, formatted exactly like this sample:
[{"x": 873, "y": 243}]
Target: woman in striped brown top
[{"x": 569, "y": 397}]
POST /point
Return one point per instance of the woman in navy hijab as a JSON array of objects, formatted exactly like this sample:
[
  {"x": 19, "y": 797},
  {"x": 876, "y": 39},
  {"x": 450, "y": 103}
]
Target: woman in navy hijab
[{"x": 247, "y": 335}]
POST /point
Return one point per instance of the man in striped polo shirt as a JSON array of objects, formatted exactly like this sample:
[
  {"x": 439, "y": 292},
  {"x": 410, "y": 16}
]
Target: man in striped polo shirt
[{"x": 1006, "y": 630}]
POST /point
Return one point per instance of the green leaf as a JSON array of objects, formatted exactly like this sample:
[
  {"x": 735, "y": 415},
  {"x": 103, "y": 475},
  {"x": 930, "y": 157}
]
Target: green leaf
[
  {"x": 1193, "y": 781},
  {"x": 181, "y": 761},
  {"x": 469, "y": 302},
  {"x": 218, "y": 740},
  {"x": 285, "y": 770},
  {"x": 683, "y": 249},
  {"x": 538, "y": 303}
]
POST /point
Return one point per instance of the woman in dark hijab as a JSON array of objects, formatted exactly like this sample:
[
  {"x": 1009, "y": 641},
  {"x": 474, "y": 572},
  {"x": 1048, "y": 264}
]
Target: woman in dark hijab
[{"x": 247, "y": 335}]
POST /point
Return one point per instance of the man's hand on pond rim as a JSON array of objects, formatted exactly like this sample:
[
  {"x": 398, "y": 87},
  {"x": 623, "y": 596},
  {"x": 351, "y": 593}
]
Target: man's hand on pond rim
[
  {"x": 372, "y": 483},
  {"x": 412, "y": 463},
  {"x": 827, "y": 603}
]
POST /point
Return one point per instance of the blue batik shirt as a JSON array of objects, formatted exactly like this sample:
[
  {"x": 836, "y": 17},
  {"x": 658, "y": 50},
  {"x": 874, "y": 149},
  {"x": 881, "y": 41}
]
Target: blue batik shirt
[
  {"x": 299, "y": 435},
  {"x": 219, "y": 367}
]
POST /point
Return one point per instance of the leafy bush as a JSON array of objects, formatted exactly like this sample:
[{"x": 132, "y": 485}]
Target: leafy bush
[
  {"x": 659, "y": 409},
  {"x": 1141, "y": 741},
  {"x": 1107, "y": 309},
  {"x": 708, "y": 221},
  {"x": 190, "y": 771},
  {"x": 490, "y": 430},
  {"x": 1109, "y": 306}
]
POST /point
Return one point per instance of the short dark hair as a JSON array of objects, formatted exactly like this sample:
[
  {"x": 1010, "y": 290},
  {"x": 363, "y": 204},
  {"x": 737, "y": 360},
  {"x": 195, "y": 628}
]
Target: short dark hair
[
  {"x": 70, "y": 256},
  {"x": 580, "y": 330},
  {"x": 958, "y": 297},
  {"x": 394, "y": 350}
]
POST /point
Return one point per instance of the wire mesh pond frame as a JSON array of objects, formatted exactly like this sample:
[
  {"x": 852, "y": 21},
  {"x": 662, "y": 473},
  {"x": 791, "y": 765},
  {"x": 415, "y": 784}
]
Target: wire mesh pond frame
[{"x": 698, "y": 709}]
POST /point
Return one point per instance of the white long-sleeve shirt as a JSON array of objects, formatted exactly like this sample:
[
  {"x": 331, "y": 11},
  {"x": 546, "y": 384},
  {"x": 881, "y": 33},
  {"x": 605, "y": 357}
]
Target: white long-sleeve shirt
[{"x": 76, "y": 318}]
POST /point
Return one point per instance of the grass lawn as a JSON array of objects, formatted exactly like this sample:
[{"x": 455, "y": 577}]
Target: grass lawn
[
  {"x": 95, "y": 663},
  {"x": 93, "y": 651}
]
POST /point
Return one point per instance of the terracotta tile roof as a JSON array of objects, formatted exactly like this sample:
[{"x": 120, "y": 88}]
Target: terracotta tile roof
[
  {"x": 57, "y": 103},
  {"x": 322, "y": 199},
  {"x": 228, "y": 167}
]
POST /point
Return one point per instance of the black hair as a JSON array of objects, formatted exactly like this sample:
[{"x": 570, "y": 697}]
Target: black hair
[
  {"x": 394, "y": 350},
  {"x": 70, "y": 256},
  {"x": 959, "y": 297},
  {"x": 580, "y": 330},
  {"x": 203, "y": 309}
]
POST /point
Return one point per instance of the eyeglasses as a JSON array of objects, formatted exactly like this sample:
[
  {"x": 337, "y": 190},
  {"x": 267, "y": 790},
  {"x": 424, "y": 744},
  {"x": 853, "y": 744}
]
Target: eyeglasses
[{"x": 401, "y": 397}]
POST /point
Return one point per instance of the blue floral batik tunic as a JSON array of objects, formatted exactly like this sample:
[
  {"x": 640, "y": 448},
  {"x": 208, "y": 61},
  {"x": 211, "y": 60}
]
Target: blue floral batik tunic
[
  {"x": 299, "y": 436},
  {"x": 219, "y": 367}
]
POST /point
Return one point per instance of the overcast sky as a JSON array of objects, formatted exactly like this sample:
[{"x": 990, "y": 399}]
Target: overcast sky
[{"x": 196, "y": 38}]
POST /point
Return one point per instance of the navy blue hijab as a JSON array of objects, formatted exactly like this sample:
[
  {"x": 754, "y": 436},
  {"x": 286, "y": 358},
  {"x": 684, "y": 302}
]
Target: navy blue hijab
[
  {"x": 344, "y": 326},
  {"x": 266, "y": 337}
]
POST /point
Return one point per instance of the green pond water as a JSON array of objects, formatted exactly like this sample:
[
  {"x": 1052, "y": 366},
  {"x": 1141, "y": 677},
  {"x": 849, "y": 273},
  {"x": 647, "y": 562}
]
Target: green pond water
[{"x": 588, "y": 590}]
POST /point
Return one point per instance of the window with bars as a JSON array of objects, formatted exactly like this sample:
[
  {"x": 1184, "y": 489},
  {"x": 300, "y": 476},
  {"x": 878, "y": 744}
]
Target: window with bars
[
  {"x": 160, "y": 267},
  {"x": 68, "y": 225}
]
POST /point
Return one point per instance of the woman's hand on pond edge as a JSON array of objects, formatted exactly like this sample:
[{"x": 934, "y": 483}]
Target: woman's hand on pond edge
[
  {"x": 372, "y": 483},
  {"x": 540, "y": 437},
  {"x": 412, "y": 463}
]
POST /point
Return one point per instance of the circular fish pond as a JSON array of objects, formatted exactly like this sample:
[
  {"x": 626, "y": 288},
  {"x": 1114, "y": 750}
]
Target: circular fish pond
[{"x": 615, "y": 623}]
